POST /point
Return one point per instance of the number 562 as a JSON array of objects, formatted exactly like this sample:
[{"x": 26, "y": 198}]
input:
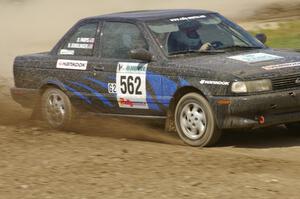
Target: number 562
[{"x": 130, "y": 85}]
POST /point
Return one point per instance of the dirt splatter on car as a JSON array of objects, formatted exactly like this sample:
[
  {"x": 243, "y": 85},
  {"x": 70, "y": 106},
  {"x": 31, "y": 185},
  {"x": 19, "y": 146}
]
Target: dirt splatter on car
[{"x": 194, "y": 68}]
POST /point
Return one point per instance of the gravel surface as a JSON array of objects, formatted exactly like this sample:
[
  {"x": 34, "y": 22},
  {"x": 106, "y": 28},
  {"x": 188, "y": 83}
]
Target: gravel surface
[{"x": 114, "y": 158}]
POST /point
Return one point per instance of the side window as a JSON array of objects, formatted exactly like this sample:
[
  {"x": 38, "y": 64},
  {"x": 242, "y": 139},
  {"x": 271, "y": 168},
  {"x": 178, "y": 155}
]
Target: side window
[
  {"x": 82, "y": 42},
  {"x": 213, "y": 33},
  {"x": 119, "y": 38}
]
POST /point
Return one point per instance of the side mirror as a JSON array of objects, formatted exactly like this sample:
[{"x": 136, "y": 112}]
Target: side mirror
[
  {"x": 261, "y": 37},
  {"x": 141, "y": 54}
]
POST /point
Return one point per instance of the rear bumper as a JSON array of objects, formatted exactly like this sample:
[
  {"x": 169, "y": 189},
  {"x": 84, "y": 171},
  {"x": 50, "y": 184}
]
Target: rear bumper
[
  {"x": 258, "y": 110},
  {"x": 28, "y": 98}
]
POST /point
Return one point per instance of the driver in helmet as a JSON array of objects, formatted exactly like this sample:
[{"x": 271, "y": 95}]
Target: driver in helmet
[{"x": 187, "y": 38}]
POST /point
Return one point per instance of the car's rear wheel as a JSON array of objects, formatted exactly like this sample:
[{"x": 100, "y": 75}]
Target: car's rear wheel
[
  {"x": 195, "y": 121},
  {"x": 57, "y": 109}
]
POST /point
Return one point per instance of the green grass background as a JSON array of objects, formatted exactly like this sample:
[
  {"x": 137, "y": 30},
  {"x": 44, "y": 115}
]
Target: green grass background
[{"x": 287, "y": 36}]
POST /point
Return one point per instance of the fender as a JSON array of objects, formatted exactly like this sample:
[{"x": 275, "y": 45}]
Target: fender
[{"x": 52, "y": 81}]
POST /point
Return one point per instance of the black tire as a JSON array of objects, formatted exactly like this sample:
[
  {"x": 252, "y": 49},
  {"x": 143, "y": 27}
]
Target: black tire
[
  {"x": 191, "y": 114},
  {"x": 60, "y": 115}
]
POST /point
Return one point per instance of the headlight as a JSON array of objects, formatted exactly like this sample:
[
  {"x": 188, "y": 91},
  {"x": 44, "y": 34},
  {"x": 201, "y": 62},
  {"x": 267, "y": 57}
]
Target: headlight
[{"x": 251, "y": 86}]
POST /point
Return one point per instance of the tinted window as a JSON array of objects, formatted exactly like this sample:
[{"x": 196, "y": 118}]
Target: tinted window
[
  {"x": 119, "y": 38},
  {"x": 82, "y": 42}
]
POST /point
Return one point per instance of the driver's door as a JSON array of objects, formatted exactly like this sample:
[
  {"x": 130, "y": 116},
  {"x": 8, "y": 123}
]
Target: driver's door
[{"x": 126, "y": 78}]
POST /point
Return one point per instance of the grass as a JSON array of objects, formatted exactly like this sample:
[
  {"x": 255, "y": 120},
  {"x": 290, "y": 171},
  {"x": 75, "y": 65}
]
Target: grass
[{"x": 287, "y": 36}]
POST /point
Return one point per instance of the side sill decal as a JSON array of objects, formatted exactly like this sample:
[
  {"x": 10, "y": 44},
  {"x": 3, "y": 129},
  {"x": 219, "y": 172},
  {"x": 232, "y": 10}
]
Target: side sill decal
[
  {"x": 78, "y": 94},
  {"x": 98, "y": 95}
]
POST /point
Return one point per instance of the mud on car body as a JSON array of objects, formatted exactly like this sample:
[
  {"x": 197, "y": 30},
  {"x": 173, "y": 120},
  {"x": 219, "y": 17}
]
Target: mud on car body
[{"x": 194, "y": 68}]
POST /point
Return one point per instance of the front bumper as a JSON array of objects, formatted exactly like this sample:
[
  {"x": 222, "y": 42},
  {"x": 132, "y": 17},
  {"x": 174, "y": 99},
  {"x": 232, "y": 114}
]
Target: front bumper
[
  {"x": 28, "y": 98},
  {"x": 258, "y": 110}
]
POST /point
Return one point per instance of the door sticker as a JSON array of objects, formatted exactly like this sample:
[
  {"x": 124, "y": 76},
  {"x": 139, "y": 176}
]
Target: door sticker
[
  {"x": 85, "y": 40},
  {"x": 131, "y": 85},
  {"x": 71, "y": 64},
  {"x": 66, "y": 52},
  {"x": 112, "y": 88},
  {"x": 80, "y": 46}
]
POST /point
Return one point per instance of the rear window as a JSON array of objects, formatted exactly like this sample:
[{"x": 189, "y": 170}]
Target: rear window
[
  {"x": 119, "y": 38},
  {"x": 81, "y": 42}
]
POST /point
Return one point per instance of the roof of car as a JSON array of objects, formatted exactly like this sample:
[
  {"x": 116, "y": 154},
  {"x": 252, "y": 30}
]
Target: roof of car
[{"x": 147, "y": 15}]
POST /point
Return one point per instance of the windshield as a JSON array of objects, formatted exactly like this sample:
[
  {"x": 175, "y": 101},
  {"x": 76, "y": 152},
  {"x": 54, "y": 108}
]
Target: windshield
[{"x": 200, "y": 33}]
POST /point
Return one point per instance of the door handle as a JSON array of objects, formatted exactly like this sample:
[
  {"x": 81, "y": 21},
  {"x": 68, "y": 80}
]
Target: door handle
[{"x": 99, "y": 68}]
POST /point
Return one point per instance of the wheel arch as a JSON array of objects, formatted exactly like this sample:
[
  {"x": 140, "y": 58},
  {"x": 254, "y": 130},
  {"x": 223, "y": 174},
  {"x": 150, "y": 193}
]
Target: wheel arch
[
  {"x": 183, "y": 91},
  {"x": 51, "y": 84},
  {"x": 170, "y": 125}
]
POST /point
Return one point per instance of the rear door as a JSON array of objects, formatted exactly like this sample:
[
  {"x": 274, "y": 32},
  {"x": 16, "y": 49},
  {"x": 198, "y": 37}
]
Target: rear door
[{"x": 76, "y": 63}]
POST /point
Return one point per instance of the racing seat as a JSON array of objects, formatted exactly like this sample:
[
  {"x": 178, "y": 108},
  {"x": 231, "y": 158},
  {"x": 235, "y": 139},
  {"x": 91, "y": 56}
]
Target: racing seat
[{"x": 172, "y": 44}]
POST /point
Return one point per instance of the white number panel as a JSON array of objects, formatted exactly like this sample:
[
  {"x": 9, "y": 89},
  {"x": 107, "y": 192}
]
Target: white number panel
[{"x": 131, "y": 85}]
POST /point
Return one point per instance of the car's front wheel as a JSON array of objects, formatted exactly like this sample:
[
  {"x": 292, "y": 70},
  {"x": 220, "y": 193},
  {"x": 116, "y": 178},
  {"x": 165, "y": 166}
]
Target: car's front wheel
[
  {"x": 195, "y": 121},
  {"x": 57, "y": 109}
]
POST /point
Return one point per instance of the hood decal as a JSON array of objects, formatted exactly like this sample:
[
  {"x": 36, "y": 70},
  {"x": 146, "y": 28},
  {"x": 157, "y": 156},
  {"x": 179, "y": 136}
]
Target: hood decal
[
  {"x": 281, "y": 66},
  {"x": 255, "y": 57}
]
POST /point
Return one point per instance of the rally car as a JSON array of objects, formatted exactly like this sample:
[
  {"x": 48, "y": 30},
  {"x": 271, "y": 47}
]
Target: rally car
[{"x": 196, "y": 69}]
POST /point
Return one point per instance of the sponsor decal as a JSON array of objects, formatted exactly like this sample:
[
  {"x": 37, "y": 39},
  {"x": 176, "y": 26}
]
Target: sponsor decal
[
  {"x": 281, "y": 66},
  {"x": 66, "y": 52},
  {"x": 187, "y": 18},
  {"x": 80, "y": 46},
  {"x": 255, "y": 57},
  {"x": 126, "y": 103},
  {"x": 112, "y": 88},
  {"x": 71, "y": 64},
  {"x": 85, "y": 40},
  {"x": 131, "y": 85},
  {"x": 209, "y": 82}
]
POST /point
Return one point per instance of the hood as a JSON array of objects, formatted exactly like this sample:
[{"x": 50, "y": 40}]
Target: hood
[{"x": 246, "y": 64}]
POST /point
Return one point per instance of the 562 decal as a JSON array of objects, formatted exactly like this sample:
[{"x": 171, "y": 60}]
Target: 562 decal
[
  {"x": 131, "y": 85},
  {"x": 112, "y": 88}
]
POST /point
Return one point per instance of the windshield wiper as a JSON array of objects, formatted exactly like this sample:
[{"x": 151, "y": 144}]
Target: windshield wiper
[
  {"x": 197, "y": 52},
  {"x": 241, "y": 47}
]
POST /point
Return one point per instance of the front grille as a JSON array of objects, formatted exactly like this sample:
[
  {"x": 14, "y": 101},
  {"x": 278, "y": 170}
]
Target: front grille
[{"x": 286, "y": 82}]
